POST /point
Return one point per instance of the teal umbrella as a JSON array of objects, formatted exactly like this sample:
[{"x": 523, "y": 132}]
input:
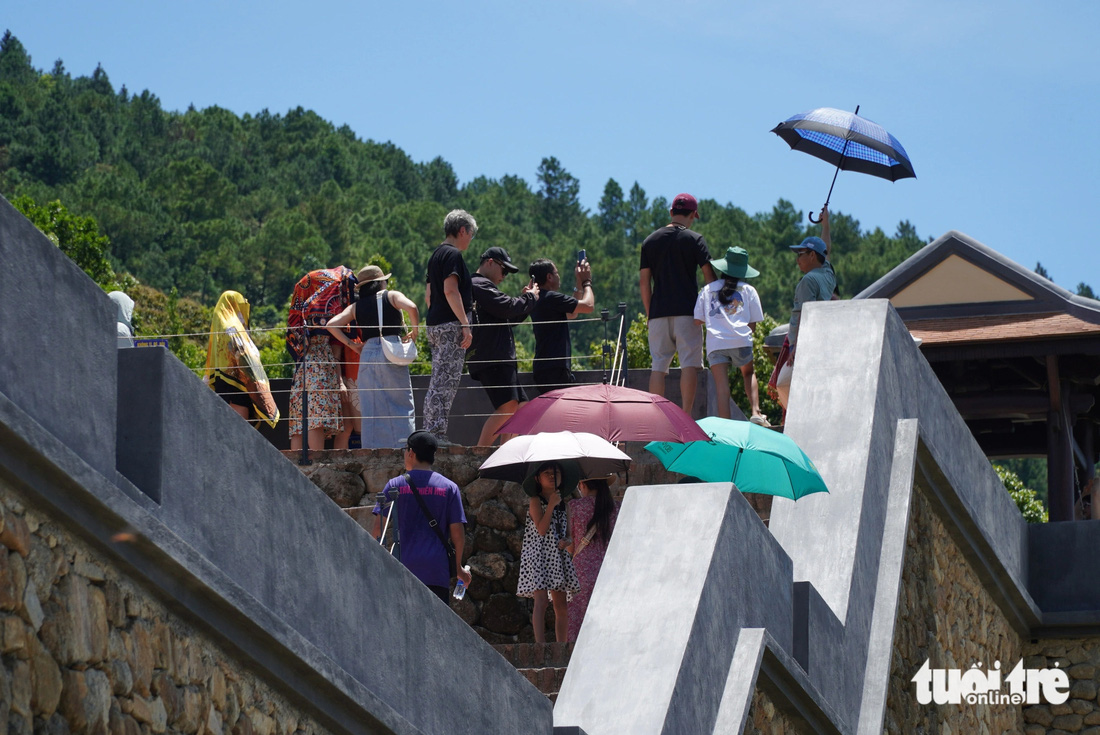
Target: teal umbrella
[{"x": 755, "y": 459}]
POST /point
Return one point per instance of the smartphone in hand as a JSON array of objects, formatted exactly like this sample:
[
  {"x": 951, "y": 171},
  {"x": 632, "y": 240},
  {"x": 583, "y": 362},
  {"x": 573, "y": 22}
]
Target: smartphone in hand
[{"x": 582, "y": 255}]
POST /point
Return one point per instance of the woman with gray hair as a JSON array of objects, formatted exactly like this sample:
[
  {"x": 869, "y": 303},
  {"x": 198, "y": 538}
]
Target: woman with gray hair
[{"x": 449, "y": 296}]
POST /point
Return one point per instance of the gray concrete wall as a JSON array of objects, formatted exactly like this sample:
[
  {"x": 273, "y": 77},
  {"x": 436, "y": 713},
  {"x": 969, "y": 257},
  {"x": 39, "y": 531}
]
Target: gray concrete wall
[
  {"x": 1065, "y": 573},
  {"x": 836, "y": 540},
  {"x": 224, "y": 528},
  {"x": 268, "y": 528},
  {"x": 57, "y": 341},
  {"x": 687, "y": 568}
]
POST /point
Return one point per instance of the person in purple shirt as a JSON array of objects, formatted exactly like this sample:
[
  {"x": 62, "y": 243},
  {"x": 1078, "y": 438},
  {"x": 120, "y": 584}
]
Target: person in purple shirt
[{"x": 422, "y": 550}]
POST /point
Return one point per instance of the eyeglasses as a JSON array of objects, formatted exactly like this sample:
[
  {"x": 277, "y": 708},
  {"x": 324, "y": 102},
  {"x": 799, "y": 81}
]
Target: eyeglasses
[{"x": 800, "y": 253}]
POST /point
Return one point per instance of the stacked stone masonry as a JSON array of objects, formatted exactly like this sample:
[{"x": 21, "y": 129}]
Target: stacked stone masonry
[
  {"x": 765, "y": 718},
  {"x": 945, "y": 616},
  {"x": 83, "y": 648},
  {"x": 1080, "y": 658},
  {"x": 543, "y": 664},
  {"x": 496, "y": 512}
]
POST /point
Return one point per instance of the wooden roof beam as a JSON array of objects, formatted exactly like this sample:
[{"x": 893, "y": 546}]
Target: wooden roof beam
[{"x": 1019, "y": 405}]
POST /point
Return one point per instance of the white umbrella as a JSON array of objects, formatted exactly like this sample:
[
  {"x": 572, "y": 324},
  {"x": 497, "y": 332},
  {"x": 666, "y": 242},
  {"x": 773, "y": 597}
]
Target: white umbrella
[{"x": 519, "y": 457}]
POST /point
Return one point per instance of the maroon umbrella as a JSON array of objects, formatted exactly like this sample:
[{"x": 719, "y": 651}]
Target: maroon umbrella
[{"x": 610, "y": 411}]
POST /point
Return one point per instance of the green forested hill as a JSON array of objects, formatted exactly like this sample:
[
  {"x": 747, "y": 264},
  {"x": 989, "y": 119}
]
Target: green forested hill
[{"x": 204, "y": 200}]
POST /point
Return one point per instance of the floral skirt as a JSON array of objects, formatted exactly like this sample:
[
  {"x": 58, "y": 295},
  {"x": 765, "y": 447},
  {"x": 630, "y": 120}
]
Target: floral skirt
[{"x": 320, "y": 374}]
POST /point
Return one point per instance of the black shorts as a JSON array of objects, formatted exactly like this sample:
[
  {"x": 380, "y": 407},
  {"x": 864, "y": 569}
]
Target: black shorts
[
  {"x": 232, "y": 395},
  {"x": 548, "y": 380},
  {"x": 501, "y": 384}
]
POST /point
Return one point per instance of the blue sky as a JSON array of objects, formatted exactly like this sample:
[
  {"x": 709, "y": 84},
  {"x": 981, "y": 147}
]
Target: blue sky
[{"x": 995, "y": 102}]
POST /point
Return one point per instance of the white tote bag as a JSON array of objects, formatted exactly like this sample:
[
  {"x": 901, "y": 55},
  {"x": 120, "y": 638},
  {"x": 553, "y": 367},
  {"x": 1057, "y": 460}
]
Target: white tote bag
[{"x": 396, "y": 351}]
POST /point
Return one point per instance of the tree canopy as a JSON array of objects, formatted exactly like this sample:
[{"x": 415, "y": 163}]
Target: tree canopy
[{"x": 206, "y": 200}]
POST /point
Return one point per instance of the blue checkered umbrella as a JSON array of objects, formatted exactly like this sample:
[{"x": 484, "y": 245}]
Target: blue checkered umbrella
[{"x": 849, "y": 142}]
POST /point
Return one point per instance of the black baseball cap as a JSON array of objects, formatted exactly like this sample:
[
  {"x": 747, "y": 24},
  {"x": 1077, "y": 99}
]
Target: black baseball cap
[
  {"x": 500, "y": 255},
  {"x": 422, "y": 441}
]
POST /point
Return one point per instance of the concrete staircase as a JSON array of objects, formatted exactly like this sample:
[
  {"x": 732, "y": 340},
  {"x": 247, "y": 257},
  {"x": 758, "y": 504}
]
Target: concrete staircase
[{"x": 543, "y": 664}]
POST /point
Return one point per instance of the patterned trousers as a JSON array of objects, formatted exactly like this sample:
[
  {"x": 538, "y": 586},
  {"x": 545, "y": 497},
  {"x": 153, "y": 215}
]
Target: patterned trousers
[{"x": 447, "y": 358}]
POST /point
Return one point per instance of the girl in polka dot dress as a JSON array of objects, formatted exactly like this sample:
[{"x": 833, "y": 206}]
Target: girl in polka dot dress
[{"x": 544, "y": 565}]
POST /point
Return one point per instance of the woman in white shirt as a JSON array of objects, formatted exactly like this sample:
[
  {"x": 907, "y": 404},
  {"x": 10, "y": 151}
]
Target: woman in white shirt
[{"x": 730, "y": 308}]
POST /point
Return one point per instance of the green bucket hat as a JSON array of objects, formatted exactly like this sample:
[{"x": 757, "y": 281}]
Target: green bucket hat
[{"x": 735, "y": 264}]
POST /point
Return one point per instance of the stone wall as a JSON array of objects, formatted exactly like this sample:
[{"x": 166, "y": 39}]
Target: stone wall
[
  {"x": 495, "y": 512},
  {"x": 1080, "y": 658},
  {"x": 85, "y": 649},
  {"x": 945, "y": 615},
  {"x": 765, "y": 718}
]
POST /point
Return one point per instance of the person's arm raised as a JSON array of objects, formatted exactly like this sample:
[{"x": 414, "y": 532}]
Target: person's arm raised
[
  {"x": 825, "y": 233},
  {"x": 586, "y": 301}
]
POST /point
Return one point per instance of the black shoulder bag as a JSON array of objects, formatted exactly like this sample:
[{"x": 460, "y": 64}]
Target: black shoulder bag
[{"x": 448, "y": 546}]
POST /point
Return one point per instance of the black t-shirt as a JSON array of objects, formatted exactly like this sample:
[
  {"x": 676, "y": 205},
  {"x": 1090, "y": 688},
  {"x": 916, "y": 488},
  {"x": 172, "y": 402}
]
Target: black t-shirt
[
  {"x": 673, "y": 254},
  {"x": 552, "y": 340},
  {"x": 366, "y": 317},
  {"x": 496, "y": 313},
  {"x": 447, "y": 261}
]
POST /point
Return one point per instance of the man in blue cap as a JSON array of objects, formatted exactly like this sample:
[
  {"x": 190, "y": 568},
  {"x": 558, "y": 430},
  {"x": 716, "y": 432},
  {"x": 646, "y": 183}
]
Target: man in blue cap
[{"x": 817, "y": 284}]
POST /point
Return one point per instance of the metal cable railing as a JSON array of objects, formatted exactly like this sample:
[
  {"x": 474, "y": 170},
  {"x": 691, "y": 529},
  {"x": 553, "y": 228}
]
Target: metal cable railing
[{"x": 612, "y": 361}]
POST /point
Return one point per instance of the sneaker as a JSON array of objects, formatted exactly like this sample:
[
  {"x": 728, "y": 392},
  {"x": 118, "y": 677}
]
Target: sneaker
[{"x": 760, "y": 421}]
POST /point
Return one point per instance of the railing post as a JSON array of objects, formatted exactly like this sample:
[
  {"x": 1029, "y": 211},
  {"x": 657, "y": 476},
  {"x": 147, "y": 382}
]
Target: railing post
[
  {"x": 604, "y": 316},
  {"x": 304, "y": 459},
  {"x": 624, "y": 329}
]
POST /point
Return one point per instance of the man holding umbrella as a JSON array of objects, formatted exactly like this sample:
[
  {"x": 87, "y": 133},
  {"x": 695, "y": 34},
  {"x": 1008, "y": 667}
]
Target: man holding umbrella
[{"x": 817, "y": 284}]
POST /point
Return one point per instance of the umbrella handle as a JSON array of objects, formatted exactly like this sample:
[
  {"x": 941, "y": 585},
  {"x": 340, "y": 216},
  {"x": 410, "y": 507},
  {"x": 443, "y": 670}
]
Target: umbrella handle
[{"x": 840, "y": 163}]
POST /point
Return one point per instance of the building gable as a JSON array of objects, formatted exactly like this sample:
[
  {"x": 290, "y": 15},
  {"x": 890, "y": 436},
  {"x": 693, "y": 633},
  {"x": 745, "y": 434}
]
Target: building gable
[{"x": 956, "y": 280}]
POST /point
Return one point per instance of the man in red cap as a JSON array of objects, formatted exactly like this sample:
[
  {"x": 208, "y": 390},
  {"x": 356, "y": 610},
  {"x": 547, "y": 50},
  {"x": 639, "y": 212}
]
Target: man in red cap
[{"x": 668, "y": 282}]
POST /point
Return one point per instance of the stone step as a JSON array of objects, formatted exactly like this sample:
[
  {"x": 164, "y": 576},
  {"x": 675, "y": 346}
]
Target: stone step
[
  {"x": 535, "y": 655},
  {"x": 543, "y": 664},
  {"x": 547, "y": 680}
]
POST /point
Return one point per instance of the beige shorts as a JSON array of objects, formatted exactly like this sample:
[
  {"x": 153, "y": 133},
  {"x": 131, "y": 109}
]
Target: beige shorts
[{"x": 672, "y": 335}]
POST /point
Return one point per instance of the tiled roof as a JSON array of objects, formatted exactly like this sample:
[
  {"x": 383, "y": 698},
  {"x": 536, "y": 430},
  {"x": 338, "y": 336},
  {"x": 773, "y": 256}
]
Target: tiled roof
[{"x": 997, "y": 328}]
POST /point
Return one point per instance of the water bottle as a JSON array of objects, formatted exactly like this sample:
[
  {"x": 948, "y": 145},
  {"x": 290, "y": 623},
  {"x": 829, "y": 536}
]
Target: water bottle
[{"x": 460, "y": 586}]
